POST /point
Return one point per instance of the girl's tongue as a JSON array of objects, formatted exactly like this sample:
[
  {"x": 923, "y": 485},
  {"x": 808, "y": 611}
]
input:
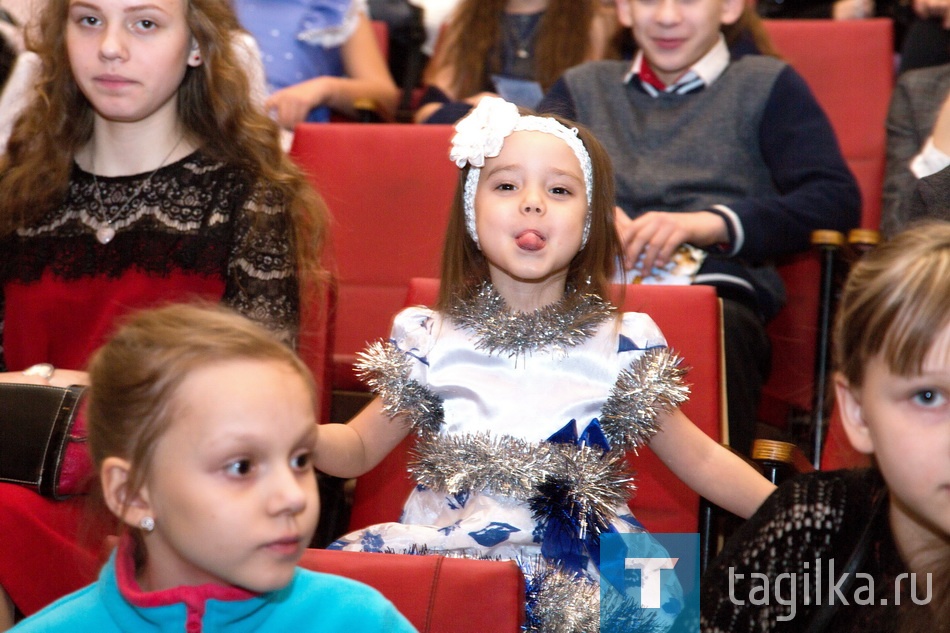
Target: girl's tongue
[{"x": 530, "y": 241}]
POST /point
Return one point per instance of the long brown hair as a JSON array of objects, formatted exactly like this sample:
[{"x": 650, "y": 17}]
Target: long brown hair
[
  {"x": 464, "y": 266},
  {"x": 214, "y": 107},
  {"x": 472, "y": 42}
]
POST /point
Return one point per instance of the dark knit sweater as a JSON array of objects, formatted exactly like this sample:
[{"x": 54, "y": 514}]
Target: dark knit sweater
[
  {"x": 818, "y": 516},
  {"x": 755, "y": 141}
]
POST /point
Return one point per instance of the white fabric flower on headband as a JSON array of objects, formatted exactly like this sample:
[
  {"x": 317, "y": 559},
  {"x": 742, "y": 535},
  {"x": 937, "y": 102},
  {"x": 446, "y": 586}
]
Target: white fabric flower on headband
[{"x": 481, "y": 134}]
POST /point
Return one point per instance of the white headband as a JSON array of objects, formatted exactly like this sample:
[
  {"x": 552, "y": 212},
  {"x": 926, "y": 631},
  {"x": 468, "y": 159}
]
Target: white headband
[{"x": 481, "y": 134}]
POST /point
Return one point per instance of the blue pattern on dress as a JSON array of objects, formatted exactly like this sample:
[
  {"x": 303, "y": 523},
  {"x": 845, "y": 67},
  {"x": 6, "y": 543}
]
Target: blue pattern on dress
[
  {"x": 494, "y": 534},
  {"x": 458, "y": 500},
  {"x": 627, "y": 345},
  {"x": 632, "y": 520},
  {"x": 448, "y": 529},
  {"x": 672, "y": 606},
  {"x": 538, "y": 533},
  {"x": 371, "y": 541}
]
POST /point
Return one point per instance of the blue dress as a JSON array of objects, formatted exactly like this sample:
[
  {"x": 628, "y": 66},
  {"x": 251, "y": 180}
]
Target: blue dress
[
  {"x": 503, "y": 414},
  {"x": 300, "y": 39}
]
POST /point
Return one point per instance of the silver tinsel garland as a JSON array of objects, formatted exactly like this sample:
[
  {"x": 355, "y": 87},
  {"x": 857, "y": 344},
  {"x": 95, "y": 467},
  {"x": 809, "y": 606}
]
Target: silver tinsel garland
[
  {"x": 559, "y": 601},
  {"x": 651, "y": 385},
  {"x": 498, "y": 329},
  {"x": 595, "y": 483},
  {"x": 386, "y": 369}
]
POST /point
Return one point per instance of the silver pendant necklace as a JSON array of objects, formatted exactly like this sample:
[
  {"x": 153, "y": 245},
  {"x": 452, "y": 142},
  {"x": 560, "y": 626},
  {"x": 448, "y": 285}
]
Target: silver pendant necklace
[
  {"x": 519, "y": 36},
  {"x": 106, "y": 231}
]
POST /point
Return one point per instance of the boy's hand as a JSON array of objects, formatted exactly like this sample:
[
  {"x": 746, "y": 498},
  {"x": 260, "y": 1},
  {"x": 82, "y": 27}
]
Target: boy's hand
[
  {"x": 852, "y": 9},
  {"x": 941, "y": 131},
  {"x": 933, "y": 9},
  {"x": 657, "y": 234}
]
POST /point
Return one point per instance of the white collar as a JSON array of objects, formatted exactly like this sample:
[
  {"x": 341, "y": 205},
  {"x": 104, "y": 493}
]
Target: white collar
[{"x": 709, "y": 67}]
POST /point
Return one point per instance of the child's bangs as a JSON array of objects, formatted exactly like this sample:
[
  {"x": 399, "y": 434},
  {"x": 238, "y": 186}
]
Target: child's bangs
[{"x": 918, "y": 313}]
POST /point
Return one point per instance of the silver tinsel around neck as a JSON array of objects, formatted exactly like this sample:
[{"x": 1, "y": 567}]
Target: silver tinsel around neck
[{"x": 500, "y": 330}]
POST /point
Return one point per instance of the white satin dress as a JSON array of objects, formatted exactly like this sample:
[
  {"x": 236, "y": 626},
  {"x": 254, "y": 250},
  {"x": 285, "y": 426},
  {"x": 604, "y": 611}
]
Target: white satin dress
[{"x": 530, "y": 397}]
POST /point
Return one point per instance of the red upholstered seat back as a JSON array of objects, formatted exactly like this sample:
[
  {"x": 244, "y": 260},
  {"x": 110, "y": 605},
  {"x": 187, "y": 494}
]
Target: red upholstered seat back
[
  {"x": 389, "y": 188},
  {"x": 435, "y": 593},
  {"x": 690, "y": 318},
  {"x": 314, "y": 341},
  {"x": 849, "y": 65}
]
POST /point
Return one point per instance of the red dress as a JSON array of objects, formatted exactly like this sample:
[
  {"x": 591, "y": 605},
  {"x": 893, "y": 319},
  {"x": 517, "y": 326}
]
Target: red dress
[{"x": 198, "y": 229}]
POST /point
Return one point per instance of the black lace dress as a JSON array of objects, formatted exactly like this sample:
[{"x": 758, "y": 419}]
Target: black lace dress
[{"x": 195, "y": 228}]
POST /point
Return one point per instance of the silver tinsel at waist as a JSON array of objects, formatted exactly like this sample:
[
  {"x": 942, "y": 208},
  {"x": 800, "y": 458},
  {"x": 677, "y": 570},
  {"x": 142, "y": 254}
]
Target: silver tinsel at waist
[{"x": 594, "y": 483}]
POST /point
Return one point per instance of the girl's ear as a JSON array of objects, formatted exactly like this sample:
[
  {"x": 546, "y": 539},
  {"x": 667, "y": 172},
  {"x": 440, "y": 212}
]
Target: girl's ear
[
  {"x": 194, "y": 57},
  {"x": 623, "y": 13},
  {"x": 114, "y": 475},
  {"x": 731, "y": 11},
  {"x": 852, "y": 416}
]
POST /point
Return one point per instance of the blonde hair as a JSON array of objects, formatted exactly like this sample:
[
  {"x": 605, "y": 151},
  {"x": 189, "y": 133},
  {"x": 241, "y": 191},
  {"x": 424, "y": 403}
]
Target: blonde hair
[
  {"x": 214, "y": 107},
  {"x": 896, "y": 300},
  {"x": 895, "y": 303},
  {"x": 135, "y": 376},
  {"x": 464, "y": 267}
]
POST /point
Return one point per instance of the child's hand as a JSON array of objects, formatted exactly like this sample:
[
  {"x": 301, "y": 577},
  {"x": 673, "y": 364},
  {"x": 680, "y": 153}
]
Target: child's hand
[
  {"x": 932, "y": 9},
  {"x": 941, "y": 131},
  {"x": 291, "y": 105},
  {"x": 656, "y": 235},
  {"x": 852, "y": 9}
]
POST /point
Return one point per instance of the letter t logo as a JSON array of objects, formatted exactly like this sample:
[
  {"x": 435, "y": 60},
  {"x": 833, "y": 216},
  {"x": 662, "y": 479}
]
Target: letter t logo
[{"x": 650, "y": 578}]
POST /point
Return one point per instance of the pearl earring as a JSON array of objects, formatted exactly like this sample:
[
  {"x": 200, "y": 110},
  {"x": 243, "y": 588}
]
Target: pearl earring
[{"x": 147, "y": 524}]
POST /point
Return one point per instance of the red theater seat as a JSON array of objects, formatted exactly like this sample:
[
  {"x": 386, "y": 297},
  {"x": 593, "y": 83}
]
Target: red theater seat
[
  {"x": 389, "y": 188},
  {"x": 436, "y": 594},
  {"x": 849, "y": 66}
]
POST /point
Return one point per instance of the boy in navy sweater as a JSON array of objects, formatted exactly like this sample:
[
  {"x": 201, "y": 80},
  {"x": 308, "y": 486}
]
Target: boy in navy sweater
[{"x": 735, "y": 157}]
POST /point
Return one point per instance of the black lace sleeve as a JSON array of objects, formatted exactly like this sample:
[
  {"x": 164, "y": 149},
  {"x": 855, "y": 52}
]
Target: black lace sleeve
[
  {"x": 261, "y": 275},
  {"x": 811, "y": 517}
]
